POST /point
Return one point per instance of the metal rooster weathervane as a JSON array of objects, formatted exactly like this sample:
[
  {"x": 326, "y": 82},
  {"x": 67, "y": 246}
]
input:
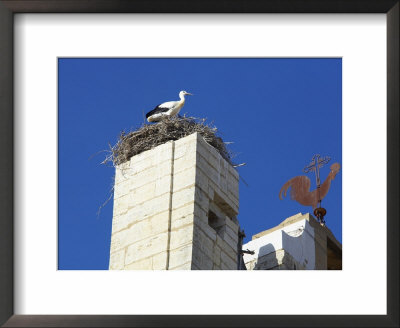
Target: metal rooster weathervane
[{"x": 300, "y": 186}]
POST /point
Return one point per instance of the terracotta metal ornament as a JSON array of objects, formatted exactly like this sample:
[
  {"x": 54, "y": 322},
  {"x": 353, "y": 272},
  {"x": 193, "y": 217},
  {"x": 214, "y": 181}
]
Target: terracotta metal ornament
[{"x": 300, "y": 186}]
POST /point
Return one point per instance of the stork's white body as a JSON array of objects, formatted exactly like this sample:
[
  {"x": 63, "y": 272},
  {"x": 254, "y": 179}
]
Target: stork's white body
[
  {"x": 167, "y": 109},
  {"x": 174, "y": 108}
]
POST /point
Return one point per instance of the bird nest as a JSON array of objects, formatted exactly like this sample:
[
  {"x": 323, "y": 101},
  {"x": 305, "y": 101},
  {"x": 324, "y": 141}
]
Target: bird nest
[{"x": 149, "y": 136}]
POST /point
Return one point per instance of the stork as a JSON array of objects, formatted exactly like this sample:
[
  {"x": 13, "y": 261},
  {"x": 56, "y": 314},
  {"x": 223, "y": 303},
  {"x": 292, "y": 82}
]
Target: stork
[{"x": 167, "y": 109}]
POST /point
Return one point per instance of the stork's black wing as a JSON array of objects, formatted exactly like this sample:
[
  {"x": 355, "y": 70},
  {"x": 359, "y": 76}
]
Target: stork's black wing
[{"x": 157, "y": 110}]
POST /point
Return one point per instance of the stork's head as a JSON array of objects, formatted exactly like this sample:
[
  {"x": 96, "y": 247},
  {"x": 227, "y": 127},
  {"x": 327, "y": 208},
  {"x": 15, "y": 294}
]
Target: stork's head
[
  {"x": 335, "y": 167},
  {"x": 184, "y": 93}
]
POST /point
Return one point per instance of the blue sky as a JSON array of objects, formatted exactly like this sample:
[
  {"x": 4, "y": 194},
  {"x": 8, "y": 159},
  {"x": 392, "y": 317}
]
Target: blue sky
[{"x": 278, "y": 113}]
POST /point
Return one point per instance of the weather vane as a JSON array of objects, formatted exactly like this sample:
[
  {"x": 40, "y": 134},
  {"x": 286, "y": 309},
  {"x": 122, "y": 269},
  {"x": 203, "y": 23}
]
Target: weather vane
[{"x": 300, "y": 186}]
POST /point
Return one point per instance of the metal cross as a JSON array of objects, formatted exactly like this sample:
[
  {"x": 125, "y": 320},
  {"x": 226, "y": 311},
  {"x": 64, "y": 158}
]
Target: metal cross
[{"x": 316, "y": 163}]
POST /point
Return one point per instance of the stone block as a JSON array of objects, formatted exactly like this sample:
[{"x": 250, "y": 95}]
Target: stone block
[
  {"x": 203, "y": 226},
  {"x": 139, "y": 230},
  {"x": 205, "y": 148},
  {"x": 208, "y": 170},
  {"x": 225, "y": 266},
  {"x": 163, "y": 153},
  {"x": 223, "y": 185},
  {"x": 233, "y": 172},
  {"x": 180, "y": 256},
  {"x": 140, "y": 212},
  {"x": 202, "y": 180},
  {"x": 154, "y": 156},
  {"x": 156, "y": 262},
  {"x": 183, "y": 163},
  {"x": 233, "y": 188},
  {"x": 189, "y": 195},
  {"x": 153, "y": 172},
  {"x": 186, "y": 266},
  {"x": 135, "y": 167},
  {"x": 200, "y": 213},
  {"x": 232, "y": 225},
  {"x": 232, "y": 253},
  {"x": 117, "y": 260},
  {"x": 121, "y": 204},
  {"x": 194, "y": 267},
  {"x": 231, "y": 263},
  {"x": 231, "y": 233},
  {"x": 202, "y": 199},
  {"x": 119, "y": 172},
  {"x": 190, "y": 139},
  {"x": 185, "y": 149},
  {"x": 217, "y": 256},
  {"x": 214, "y": 160},
  {"x": 211, "y": 191},
  {"x": 230, "y": 241},
  {"x": 121, "y": 189},
  {"x": 204, "y": 243},
  {"x": 142, "y": 194},
  {"x": 149, "y": 175},
  {"x": 120, "y": 240},
  {"x": 144, "y": 264},
  {"x": 182, "y": 216},
  {"x": 202, "y": 260},
  {"x": 150, "y": 207},
  {"x": 162, "y": 185},
  {"x": 163, "y": 168},
  {"x": 146, "y": 248},
  {"x": 121, "y": 222},
  {"x": 224, "y": 245},
  {"x": 184, "y": 178},
  {"x": 233, "y": 202},
  {"x": 159, "y": 261},
  {"x": 183, "y": 197},
  {"x": 142, "y": 157},
  {"x": 181, "y": 236}
]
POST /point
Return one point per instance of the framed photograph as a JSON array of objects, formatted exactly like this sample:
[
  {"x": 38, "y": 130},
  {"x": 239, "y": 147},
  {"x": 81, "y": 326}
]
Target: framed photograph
[
  {"x": 274, "y": 96},
  {"x": 74, "y": 74}
]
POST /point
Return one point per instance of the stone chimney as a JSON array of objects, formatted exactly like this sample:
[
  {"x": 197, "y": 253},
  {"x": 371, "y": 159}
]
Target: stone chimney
[{"x": 175, "y": 208}]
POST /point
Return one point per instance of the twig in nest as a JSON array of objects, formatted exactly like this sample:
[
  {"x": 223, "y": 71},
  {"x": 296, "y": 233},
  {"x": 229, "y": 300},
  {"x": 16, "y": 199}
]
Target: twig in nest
[
  {"x": 105, "y": 203},
  {"x": 244, "y": 181},
  {"x": 101, "y": 151}
]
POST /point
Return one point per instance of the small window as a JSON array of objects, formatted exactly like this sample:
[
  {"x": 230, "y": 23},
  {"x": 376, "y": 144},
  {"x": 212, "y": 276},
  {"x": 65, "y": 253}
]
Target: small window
[{"x": 218, "y": 224}]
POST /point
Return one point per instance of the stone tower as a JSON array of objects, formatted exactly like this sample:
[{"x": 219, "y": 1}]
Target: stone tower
[{"x": 175, "y": 208}]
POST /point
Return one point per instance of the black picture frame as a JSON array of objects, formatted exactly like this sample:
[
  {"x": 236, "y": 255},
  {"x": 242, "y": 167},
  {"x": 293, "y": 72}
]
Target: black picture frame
[{"x": 10, "y": 7}]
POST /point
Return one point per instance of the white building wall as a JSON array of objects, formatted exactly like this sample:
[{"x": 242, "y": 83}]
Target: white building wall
[{"x": 295, "y": 241}]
